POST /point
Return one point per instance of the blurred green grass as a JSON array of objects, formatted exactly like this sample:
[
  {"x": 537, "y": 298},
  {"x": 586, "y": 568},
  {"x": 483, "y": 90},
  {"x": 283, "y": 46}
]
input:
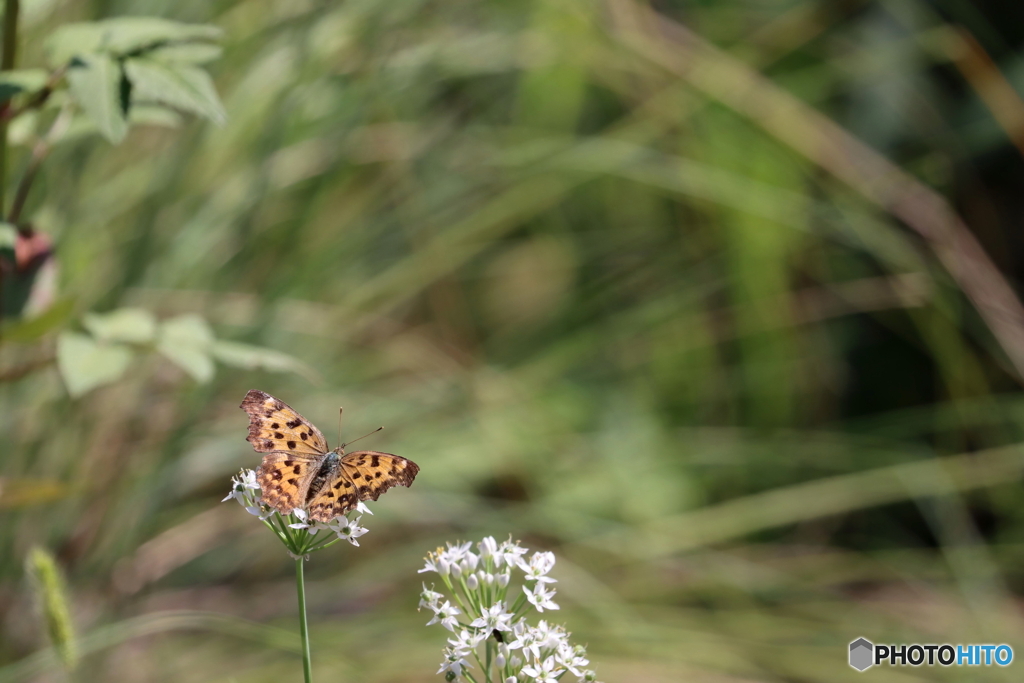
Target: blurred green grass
[{"x": 616, "y": 296}]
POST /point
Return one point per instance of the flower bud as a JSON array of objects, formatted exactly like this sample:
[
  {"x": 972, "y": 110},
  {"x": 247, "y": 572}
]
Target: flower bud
[
  {"x": 500, "y": 661},
  {"x": 511, "y": 679},
  {"x": 472, "y": 583},
  {"x": 503, "y": 580},
  {"x": 503, "y": 650},
  {"x": 490, "y": 579},
  {"x": 443, "y": 567},
  {"x": 456, "y": 571}
]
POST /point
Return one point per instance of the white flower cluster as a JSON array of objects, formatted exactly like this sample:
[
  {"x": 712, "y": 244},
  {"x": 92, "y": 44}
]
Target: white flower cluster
[
  {"x": 246, "y": 490},
  {"x": 490, "y": 632}
]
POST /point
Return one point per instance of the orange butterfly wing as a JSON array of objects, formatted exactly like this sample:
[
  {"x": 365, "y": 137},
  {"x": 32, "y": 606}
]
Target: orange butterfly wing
[
  {"x": 362, "y": 475},
  {"x": 337, "y": 497},
  {"x": 285, "y": 478},
  {"x": 373, "y": 472},
  {"x": 274, "y": 426}
]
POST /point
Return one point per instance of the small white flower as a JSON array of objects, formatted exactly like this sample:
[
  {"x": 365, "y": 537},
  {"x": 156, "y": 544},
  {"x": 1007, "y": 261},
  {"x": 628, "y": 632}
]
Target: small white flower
[
  {"x": 511, "y": 552},
  {"x": 469, "y": 562},
  {"x": 445, "y": 615},
  {"x": 362, "y": 509},
  {"x": 436, "y": 562},
  {"x": 549, "y": 636},
  {"x": 441, "y": 560},
  {"x": 260, "y": 512},
  {"x": 533, "y": 639},
  {"x": 453, "y": 662},
  {"x": 302, "y": 523},
  {"x": 572, "y": 658},
  {"x": 467, "y": 641},
  {"x": 348, "y": 530},
  {"x": 429, "y": 598},
  {"x": 538, "y": 567},
  {"x": 243, "y": 485},
  {"x": 493, "y": 618},
  {"x": 546, "y": 672},
  {"x": 540, "y": 597},
  {"x": 458, "y": 551},
  {"x": 488, "y": 548},
  {"x": 527, "y": 641}
]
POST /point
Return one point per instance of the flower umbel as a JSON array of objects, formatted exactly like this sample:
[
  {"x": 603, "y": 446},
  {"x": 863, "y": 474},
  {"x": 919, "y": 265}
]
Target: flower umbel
[
  {"x": 318, "y": 535},
  {"x": 489, "y": 633}
]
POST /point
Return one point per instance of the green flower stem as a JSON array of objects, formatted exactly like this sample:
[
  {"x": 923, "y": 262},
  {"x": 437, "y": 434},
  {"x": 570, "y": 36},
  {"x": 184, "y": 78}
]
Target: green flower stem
[
  {"x": 277, "y": 532},
  {"x": 470, "y": 595},
  {"x": 519, "y": 604},
  {"x": 290, "y": 533},
  {"x": 300, "y": 585},
  {"x": 327, "y": 543},
  {"x": 455, "y": 593},
  {"x": 487, "y": 674},
  {"x": 489, "y": 651}
]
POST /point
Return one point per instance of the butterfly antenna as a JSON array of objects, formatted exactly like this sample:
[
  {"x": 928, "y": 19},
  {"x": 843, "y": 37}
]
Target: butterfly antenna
[
  {"x": 340, "y": 411},
  {"x": 362, "y": 437}
]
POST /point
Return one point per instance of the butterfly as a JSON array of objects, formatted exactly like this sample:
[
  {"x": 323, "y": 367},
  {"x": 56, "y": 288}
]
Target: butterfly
[{"x": 299, "y": 472}]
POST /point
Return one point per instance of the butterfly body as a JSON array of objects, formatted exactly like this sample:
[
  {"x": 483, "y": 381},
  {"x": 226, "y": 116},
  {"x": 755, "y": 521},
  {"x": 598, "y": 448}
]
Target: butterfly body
[
  {"x": 299, "y": 472},
  {"x": 328, "y": 471}
]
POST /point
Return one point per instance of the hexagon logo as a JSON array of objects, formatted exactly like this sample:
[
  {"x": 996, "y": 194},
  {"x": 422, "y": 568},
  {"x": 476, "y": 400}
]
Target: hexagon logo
[{"x": 862, "y": 654}]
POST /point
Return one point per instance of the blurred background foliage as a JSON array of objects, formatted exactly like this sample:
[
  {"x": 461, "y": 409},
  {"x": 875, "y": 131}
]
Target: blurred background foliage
[{"x": 694, "y": 294}]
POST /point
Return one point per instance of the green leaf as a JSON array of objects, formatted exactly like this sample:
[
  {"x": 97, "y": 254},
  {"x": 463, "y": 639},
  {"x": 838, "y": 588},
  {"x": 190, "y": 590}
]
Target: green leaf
[
  {"x": 189, "y": 329},
  {"x": 154, "y": 115},
  {"x": 187, "y": 341},
  {"x": 196, "y": 362},
  {"x": 96, "y": 82},
  {"x": 186, "y": 53},
  {"x": 32, "y": 329},
  {"x": 21, "y": 80},
  {"x": 132, "y": 325},
  {"x": 122, "y": 36},
  {"x": 85, "y": 364},
  {"x": 178, "y": 85},
  {"x": 259, "y": 358}
]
